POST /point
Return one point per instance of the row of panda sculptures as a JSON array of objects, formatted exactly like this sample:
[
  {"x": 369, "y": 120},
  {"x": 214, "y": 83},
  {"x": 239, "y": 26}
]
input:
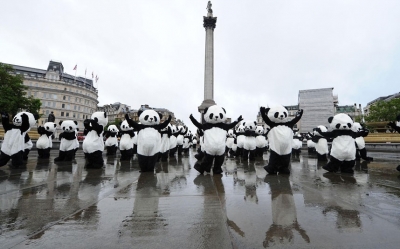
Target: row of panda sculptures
[{"x": 153, "y": 141}]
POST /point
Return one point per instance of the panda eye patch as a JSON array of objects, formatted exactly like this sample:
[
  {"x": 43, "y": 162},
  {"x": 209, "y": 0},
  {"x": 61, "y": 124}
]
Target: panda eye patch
[
  {"x": 155, "y": 118},
  {"x": 276, "y": 115},
  {"x": 146, "y": 117},
  {"x": 70, "y": 127},
  {"x": 337, "y": 126},
  {"x": 349, "y": 125},
  {"x": 221, "y": 115},
  {"x": 285, "y": 114},
  {"x": 211, "y": 115}
]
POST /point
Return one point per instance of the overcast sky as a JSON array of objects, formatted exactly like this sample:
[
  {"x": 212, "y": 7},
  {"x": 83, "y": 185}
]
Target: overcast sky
[{"x": 152, "y": 51}]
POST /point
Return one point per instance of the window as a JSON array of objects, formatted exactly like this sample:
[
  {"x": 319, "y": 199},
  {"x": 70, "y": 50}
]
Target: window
[
  {"x": 67, "y": 114},
  {"x": 73, "y": 115},
  {"x": 62, "y": 114},
  {"x": 54, "y": 104},
  {"x": 75, "y": 107},
  {"x": 63, "y": 106},
  {"x": 44, "y": 95},
  {"x": 69, "y": 97},
  {"x": 65, "y": 89},
  {"x": 76, "y": 99},
  {"x": 47, "y": 112},
  {"x": 79, "y": 107},
  {"x": 64, "y": 97}
]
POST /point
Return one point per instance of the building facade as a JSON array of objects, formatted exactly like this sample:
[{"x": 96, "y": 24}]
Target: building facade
[
  {"x": 68, "y": 97},
  {"x": 384, "y": 98}
]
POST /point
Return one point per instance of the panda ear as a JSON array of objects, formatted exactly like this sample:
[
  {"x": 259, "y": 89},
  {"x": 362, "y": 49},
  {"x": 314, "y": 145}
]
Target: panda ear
[
  {"x": 255, "y": 123},
  {"x": 77, "y": 129},
  {"x": 60, "y": 123},
  {"x": 159, "y": 114},
  {"x": 75, "y": 122},
  {"x": 205, "y": 110},
  {"x": 330, "y": 119},
  {"x": 223, "y": 109},
  {"x": 55, "y": 125},
  {"x": 139, "y": 113},
  {"x": 105, "y": 114}
]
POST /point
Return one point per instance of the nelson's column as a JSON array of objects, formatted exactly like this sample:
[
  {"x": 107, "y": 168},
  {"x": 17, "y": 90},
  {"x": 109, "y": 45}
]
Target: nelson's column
[{"x": 209, "y": 24}]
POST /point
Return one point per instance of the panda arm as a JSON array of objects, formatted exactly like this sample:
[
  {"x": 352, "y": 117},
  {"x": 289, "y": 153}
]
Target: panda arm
[
  {"x": 25, "y": 123},
  {"x": 264, "y": 114},
  {"x": 326, "y": 134},
  {"x": 195, "y": 122},
  {"x": 394, "y": 126},
  {"x": 165, "y": 123},
  {"x": 169, "y": 132},
  {"x": 133, "y": 124},
  {"x": 5, "y": 119},
  {"x": 27, "y": 138},
  {"x": 41, "y": 130},
  {"x": 294, "y": 121},
  {"x": 233, "y": 124}
]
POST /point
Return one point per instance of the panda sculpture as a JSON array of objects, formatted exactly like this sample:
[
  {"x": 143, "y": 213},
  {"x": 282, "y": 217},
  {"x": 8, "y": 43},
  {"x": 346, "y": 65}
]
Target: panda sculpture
[
  {"x": 200, "y": 151},
  {"x": 179, "y": 139},
  {"x": 194, "y": 142},
  {"x": 215, "y": 130},
  {"x": 187, "y": 142},
  {"x": 240, "y": 137},
  {"x": 343, "y": 151},
  {"x": 250, "y": 143},
  {"x": 172, "y": 140},
  {"x": 279, "y": 137},
  {"x": 321, "y": 143},
  {"x": 126, "y": 145},
  {"x": 395, "y": 126},
  {"x": 297, "y": 143},
  {"x": 149, "y": 137},
  {"x": 111, "y": 142},
  {"x": 165, "y": 143},
  {"x": 68, "y": 140},
  {"x": 261, "y": 141},
  {"x": 45, "y": 141},
  {"x": 93, "y": 145},
  {"x": 13, "y": 145},
  {"x": 361, "y": 151},
  {"x": 310, "y": 145},
  {"x": 28, "y": 142},
  {"x": 230, "y": 140}
]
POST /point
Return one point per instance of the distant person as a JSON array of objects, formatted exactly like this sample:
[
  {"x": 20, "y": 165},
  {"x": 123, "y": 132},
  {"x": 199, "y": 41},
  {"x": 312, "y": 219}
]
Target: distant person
[{"x": 51, "y": 117}]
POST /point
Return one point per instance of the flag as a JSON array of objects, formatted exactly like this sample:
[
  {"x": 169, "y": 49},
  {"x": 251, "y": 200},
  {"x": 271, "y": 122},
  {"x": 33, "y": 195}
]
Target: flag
[
  {"x": 75, "y": 67},
  {"x": 92, "y": 75},
  {"x": 97, "y": 78}
]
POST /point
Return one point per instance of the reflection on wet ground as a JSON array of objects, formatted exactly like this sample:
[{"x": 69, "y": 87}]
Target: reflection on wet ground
[{"x": 47, "y": 205}]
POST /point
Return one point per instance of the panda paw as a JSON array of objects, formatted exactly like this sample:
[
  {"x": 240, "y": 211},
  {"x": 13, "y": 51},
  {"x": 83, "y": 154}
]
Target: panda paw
[
  {"x": 240, "y": 118},
  {"x": 391, "y": 124},
  {"x": 191, "y": 116},
  {"x": 4, "y": 115},
  {"x": 299, "y": 113}
]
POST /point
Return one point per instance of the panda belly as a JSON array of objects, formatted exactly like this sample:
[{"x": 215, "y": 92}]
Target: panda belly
[
  {"x": 43, "y": 142},
  {"x": 296, "y": 144},
  {"x": 322, "y": 146},
  {"x": 310, "y": 144},
  {"x": 229, "y": 142},
  {"x": 111, "y": 141},
  {"x": 360, "y": 143},
  {"x": 13, "y": 142},
  {"x": 214, "y": 141},
  {"x": 28, "y": 145},
  {"x": 164, "y": 143},
  {"x": 240, "y": 141},
  {"x": 249, "y": 143},
  {"x": 179, "y": 140},
  {"x": 280, "y": 139},
  {"x": 93, "y": 142},
  {"x": 149, "y": 142},
  {"x": 172, "y": 142},
  {"x": 343, "y": 148},
  {"x": 67, "y": 145},
  {"x": 126, "y": 142},
  {"x": 186, "y": 143},
  {"x": 260, "y": 141}
]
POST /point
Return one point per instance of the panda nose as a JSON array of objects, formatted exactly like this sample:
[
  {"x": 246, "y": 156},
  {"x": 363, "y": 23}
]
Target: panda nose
[
  {"x": 344, "y": 126},
  {"x": 64, "y": 128}
]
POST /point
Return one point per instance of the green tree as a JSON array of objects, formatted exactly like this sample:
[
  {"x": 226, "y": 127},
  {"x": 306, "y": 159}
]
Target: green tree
[
  {"x": 13, "y": 93},
  {"x": 384, "y": 111}
]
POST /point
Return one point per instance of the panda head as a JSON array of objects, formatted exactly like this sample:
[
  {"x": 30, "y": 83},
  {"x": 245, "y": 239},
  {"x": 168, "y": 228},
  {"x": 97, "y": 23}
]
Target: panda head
[
  {"x": 230, "y": 133},
  {"x": 17, "y": 120},
  {"x": 112, "y": 128},
  {"x": 101, "y": 118},
  {"x": 322, "y": 128},
  {"x": 69, "y": 125},
  {"x": 250, "y": 125},
  {"x": 259, "y": 130},
  {"x": 125, "y": 126},
  {"x": 50, "y": 126},
  {"x": 340, "y": 121},
  {"x": 149, "y": 117},
  {"x": 215, "y": 114},
  {"x": 173, "y": 128},
  {"x": 398, "y": 120},
  {"x": 278, "y": 114},
  {"x": 356, "y": 127},
  {"x": 240, "y": 128}
]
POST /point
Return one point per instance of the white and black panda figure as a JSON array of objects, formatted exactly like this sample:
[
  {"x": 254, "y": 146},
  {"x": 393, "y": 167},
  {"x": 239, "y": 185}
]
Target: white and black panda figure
[
  {"x": 179, "y": 138},
  {"x": 240, "y": 137},
  {"x": 279, "y": 137},
  {"x": 297, "y": 143},
  {"x": 261, "y": 141},
  {"x": 172, "y": 140},
  {"x": 343, "y": 151},
  {"x": 126, "y": 145},
  {"x": 28, "y": 142},
  {"x": 187, "y": 141},
  {"x": 68, "y": 140},
  {"x": 194, "y": 142},
  {"x": 250, "y": 143},
  {"x": 111, "y": 142},
  {"x": 45, "y": 141},
  {"x": 395, "y": 125},
  {"x": 310, "y": 145},
  {"x": 321, "y": 143},
  {"x": 149, "y": 137},
  {"x": 165, "y": 142},
  {"x": 230, "y": 140},
  {"x": 13, "y": 145},
  {"x": 215, "y": 130},
  {"x": 200, "y": 151},
  {"x": 361, "y": 151},
  {"x": 93, "y": 144}
]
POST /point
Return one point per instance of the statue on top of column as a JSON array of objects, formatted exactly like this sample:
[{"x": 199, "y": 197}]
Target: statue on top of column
[{"x": 209, "y": 5}]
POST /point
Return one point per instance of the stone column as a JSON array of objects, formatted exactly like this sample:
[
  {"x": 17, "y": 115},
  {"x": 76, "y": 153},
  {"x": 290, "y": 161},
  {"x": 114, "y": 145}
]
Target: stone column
[{"x": 209, "y": 24}]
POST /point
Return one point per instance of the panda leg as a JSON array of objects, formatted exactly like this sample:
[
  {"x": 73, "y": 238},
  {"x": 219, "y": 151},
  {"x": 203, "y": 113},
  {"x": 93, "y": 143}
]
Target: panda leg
[
  {"x": 363, "y": 154},
  {"x": 322, "y": 157},
  {"x": 164, "y": 156},
  {"x": 44, "y": 153},
  {"x": 205, "y": 164},
  {"x": 61, "y": 156},
  {"x": 17, "y": 159},
  {"x": 219, "y": 160},
  {"x": 273, "y": 163},
  {"x": 284, "y": 163},
  {"x": 26, "y": 153},
  {"x": 95, "y": 160},
  {"x": 333, "y": 165},
  {"x": 347, "y": 167},
  {"x": 245, "y": 154},
  {"x": 4, "y": 158},
  {"x": 252, "y": 155}
]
